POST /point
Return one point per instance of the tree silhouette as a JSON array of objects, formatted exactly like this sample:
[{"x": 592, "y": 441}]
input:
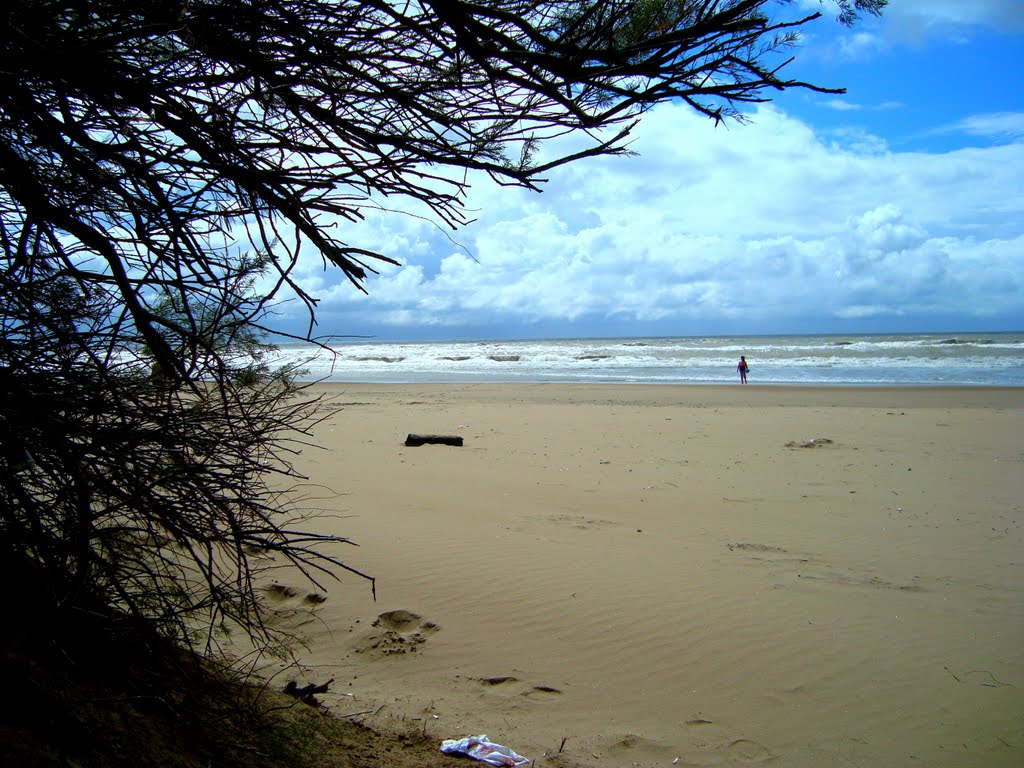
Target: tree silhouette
[{"x": 162, "y": 167}]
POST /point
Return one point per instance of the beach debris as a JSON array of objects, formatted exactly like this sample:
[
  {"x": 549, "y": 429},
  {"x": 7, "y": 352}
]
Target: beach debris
[
  {"x": 417, "y": 440},
  {"x": 482, "y": 748},
  {"x": 814, "y": 442},
  {"x": 305, "y": 694}
]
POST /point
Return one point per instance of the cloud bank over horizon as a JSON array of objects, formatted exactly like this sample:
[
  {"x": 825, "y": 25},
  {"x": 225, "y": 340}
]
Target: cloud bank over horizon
[{"x": 791, "y": 223}]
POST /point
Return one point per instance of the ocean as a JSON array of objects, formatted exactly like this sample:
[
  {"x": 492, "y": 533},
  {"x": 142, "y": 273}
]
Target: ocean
[{"x": 970, "y": 359}]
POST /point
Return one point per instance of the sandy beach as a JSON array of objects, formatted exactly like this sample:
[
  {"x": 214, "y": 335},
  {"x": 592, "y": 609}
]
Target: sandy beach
[{"x": 651, "y": 575}]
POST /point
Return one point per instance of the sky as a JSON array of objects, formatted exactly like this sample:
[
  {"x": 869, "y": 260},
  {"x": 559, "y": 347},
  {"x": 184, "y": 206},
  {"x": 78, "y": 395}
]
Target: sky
[{"x": 897, "y": 207}]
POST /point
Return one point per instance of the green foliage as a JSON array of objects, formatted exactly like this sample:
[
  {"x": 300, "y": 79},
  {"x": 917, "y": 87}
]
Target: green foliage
[{"x": 217, "y": 338}]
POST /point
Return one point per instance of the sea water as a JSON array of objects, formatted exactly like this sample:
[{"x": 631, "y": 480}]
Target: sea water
[{"x": 994, "y": 359}]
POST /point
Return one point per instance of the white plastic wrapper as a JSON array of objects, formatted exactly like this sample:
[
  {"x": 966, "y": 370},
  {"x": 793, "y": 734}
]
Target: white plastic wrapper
[{"x": 482, "y": 748}]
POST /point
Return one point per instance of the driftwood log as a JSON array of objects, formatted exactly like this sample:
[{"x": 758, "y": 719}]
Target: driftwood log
[
  {"x": 305, "y": 694},
  {"x": 415, "y": 440}
]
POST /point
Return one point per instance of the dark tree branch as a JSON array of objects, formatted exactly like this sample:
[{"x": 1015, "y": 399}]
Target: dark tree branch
[{"x": 163, "y": 168}]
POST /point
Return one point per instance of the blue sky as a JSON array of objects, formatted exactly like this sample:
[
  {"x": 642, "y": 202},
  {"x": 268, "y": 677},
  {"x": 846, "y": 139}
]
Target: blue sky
[{"x": 897, "y": 207}]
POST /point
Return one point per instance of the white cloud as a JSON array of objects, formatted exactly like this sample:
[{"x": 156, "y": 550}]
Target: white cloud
[
  {"x": 860, "y": 44},
  {"x": 1002, "y": 14},
  {"x": 920, "y": 16},
  {"x": 998, "y": 125},
  {"x": 763, "y": 222},
  {"x": 915, "y": 21},
  {"x": 845, "y": 105},
  {"x": 842, "y": 105}
]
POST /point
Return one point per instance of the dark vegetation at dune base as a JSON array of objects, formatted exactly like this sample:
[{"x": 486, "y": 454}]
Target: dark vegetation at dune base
[{"x": 91, "y": 689}]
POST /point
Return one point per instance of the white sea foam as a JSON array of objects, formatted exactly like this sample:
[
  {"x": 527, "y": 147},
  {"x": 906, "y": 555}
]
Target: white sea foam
[{"x": 969, "y": 359}]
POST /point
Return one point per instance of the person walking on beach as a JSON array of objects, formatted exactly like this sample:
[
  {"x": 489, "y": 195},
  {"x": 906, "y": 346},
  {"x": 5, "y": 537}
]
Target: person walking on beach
[{"x": 743, "y": 368}]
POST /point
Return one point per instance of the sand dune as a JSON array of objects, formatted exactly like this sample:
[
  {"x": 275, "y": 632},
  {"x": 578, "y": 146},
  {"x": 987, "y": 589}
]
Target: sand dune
[{"x": 727, "y": 576}]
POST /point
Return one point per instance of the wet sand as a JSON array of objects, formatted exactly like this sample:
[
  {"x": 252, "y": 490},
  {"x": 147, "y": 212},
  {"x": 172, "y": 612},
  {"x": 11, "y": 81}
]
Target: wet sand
[{"x": 723, "y": 575}]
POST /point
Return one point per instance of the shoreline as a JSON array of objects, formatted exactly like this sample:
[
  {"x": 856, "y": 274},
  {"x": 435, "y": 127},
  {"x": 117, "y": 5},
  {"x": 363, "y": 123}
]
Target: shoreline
[
  {"x": 689, "y": 394},
  {"x": 882, "y": 360}
]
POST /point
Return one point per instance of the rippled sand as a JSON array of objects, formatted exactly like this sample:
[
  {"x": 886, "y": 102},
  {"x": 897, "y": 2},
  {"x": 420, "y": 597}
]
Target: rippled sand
[{"x": 723, "y": 575}]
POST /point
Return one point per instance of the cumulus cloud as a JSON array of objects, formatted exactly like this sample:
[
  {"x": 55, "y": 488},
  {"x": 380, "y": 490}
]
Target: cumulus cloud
[
  {"x": 768, "y": 222},
  {"x": 1001, "y": 14},
  {"x": 762, "y": 225},
  {"x": 917, "y": 22}
]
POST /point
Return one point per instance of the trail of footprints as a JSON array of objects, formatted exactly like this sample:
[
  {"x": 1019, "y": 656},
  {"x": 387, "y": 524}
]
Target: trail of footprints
[
  {"x": 514, "y": 684},
  {"x": 402, "y": 631},
  {"x": 392, "y": 632},
  {"x": 809, "y": 567}
]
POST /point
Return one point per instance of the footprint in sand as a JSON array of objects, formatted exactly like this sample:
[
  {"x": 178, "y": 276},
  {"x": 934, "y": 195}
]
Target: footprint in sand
[
  {"x": 498, "y": 680},
  {"x": 400, "y": 620},
  {"x": 396, "y": 632},
  {"x": 578, "y": 521},
  {"x": 508, "y": 681},
  {"x": 812, "y": 569},
  {"x": 765, "y": 553},
  {"x": 854, "y": 579},
  {"x": 764, "y": 548},
  {"x": 748, "y": 752},
  {"x": 636, "y": 748},
  {"x": 281, "y": 593},
  {"x": 542, "y": 689}
]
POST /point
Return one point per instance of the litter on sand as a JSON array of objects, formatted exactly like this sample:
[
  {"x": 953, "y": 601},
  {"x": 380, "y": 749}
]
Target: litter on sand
[{"x": 482, "y": 748}]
